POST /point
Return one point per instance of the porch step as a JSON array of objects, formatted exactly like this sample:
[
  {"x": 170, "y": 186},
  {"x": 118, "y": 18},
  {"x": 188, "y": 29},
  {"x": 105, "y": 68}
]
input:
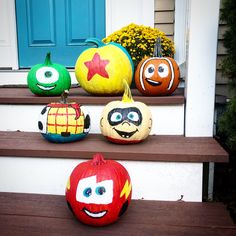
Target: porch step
[
  {"x": 20, "y": 109},
  {"x": 31, "y": 214},
  {"x": 156, "y": 148},
  {"x": 22, "y": 95},
  {"x": 161, "y": 168}
]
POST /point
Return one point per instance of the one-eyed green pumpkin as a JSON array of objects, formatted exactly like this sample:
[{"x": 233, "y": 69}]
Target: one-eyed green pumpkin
[{"x": 48, "y": 79}]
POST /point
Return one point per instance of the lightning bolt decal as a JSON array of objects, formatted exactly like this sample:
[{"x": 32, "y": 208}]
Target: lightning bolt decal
[
  {"x": 68, "y": 184},
  {"x": 126, "y": 190}
]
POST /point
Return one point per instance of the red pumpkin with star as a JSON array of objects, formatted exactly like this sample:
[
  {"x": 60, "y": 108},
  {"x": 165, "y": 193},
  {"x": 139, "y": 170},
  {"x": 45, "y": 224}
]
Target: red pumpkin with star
[
  {"x": 101, "y": 70},
  {"x": 98, "y": 191}
]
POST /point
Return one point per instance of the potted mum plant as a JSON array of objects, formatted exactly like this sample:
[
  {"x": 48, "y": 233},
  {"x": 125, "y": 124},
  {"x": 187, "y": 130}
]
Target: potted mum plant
[{"x": 139, "y": 41}]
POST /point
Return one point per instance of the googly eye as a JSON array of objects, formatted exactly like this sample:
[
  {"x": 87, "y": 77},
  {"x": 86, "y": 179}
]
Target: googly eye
[
  {"x": 116, "y": 117},
  {"x": 100, "y": 190},
  {"x": 47, "y": 75},
  {"x": 87, "y": 192},
  {"x": 133, "y": 116},
  {"x": 149, "y": 71},
  {"x": 163, "y": 70}
]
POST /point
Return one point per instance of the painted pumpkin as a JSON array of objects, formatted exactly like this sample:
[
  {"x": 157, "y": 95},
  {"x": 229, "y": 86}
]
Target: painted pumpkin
[
  {"x": 98, "y": 191},
  {"x": 126, "y": 121},
  {"x": 157, "y": 75},
  {"x": 48, "y": 78},
  {"x": 101, "y": 70},
  {"x": 64, "y": 122}
]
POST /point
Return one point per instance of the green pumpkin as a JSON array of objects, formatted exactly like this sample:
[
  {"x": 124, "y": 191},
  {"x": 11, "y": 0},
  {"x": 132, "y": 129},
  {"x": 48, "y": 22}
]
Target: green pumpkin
[{"x": 48, "y": 79}]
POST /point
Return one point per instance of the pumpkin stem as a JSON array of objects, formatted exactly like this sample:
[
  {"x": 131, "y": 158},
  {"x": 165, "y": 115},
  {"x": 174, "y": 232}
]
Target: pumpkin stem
[
  {"x": 48, "y": 59},
  {"x": 127, "y": 96},
  {"x": 64, "y": 96},
  {"x": 157, "y": 48},
  {"x": 95, "y": 41},
  {"x": 98, "y": 159}
]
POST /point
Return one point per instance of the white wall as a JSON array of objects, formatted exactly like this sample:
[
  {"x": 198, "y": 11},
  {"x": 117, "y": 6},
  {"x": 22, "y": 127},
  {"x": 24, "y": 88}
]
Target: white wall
[
  {"x": 120, "y": 13},
  {"x": 8, "y": 48},
  {"x": 201, "y": 67},
  {"x": 158, "y": 181},
  {"x": 167, "y": 120}
]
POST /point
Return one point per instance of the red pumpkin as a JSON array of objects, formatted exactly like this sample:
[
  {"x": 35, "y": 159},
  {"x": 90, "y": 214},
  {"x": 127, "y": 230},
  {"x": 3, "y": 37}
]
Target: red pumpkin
[
  {"x": 157, "y": 75},
  {"x": 98, "y": 191}
]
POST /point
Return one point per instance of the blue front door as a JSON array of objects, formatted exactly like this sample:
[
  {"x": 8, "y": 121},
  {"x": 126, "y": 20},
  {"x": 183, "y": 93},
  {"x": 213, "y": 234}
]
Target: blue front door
[{"x": 57, "y": 26}]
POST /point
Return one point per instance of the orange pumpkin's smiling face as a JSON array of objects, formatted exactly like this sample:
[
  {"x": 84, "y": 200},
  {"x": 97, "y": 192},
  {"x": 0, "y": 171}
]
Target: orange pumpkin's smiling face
[{"x": 157, "y": 76}]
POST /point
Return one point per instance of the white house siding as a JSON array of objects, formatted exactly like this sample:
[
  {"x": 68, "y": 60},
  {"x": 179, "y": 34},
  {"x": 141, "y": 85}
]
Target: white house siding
[
  {"x": 222, "y": 82},
  {"x": 164, "y": 16}
]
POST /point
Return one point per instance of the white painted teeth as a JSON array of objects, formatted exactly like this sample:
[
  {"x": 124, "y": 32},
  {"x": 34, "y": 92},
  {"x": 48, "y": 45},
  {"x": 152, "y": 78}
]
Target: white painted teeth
[
  {"x": 95, "y": 215},
  {"x": 154, "y": 82},
  {"x": 45, "y": 88}
]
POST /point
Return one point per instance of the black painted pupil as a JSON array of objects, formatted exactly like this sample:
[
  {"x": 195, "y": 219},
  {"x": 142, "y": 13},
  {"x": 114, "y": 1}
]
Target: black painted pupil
[
  {"x": 150, "y": 69},
  {"x": 87, "y": 192},
  {"x": 160, "y": 69},
  {"x": 101, "y": 190},
  {"x": 48, "y": 74}
]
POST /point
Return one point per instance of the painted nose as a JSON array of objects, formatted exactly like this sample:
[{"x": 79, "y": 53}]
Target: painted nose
[{"x": 125, "y": 122}]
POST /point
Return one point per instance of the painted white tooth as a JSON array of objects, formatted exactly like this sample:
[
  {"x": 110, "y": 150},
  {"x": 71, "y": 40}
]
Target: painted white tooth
[
  {"x": 45, "y": 88},
  {"x": 95, "y": 215},
  {"x": 154, "y": 82}
]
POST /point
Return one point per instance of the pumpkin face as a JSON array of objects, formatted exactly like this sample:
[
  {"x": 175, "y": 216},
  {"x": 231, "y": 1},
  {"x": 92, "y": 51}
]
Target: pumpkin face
[
  {"x": 62, "y": 123},
  {"x": 48, "y": 78},
  {"x": 157, "y": 76},
  {"x": 98, "y": 191},
  {"x": 101, "y": 70},
  {"x": 126, "y": 121}
]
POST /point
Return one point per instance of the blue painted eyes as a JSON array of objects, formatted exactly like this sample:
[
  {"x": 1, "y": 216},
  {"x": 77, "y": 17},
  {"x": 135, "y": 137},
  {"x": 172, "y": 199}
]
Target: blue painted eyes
[
  {"x": 116, "y": 117},
  {"x": 87, "y": 192},
  {"x": 133, "y": 116},
  {"x": 99, "y": 191}
]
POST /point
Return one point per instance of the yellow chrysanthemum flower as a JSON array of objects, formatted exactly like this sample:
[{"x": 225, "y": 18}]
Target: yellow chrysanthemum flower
[{"x": 139, "y": 41}]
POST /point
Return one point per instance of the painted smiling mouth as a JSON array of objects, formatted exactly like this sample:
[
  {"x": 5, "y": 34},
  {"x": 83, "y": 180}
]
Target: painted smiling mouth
[
  {"x": 46, "y": 88},
  {"x": 153, "y": 83},
  {"x": 99, "y": 214},
  {"x": 125, "y": 134}
]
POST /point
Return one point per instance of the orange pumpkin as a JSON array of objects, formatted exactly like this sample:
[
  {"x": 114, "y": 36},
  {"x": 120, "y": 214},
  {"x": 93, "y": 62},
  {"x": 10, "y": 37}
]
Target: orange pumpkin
[{"x": 157, "y": 75}]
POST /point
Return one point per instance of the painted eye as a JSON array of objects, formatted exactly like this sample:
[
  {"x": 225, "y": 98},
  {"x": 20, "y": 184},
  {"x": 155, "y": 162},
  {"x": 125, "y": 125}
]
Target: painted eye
[
  {"x": 163, "y": 70},
  {"x": 116, "y": 117},
  {"x": 149, "y": 71},
  {"x": 133, "y": 116},
  {"x": 47, "y": 75},
  {"x": 100, "y": 190},
  {"x": 87, "y": 192}
]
